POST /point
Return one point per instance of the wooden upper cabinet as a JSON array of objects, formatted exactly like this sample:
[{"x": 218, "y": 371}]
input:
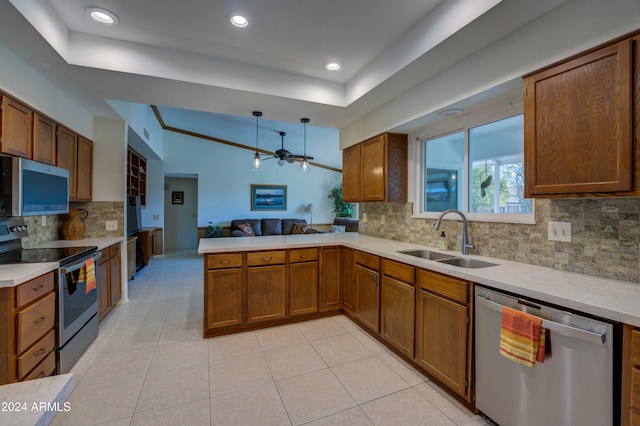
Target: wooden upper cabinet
[
  {"x": 67, "y": 155},
  {"x": 44, "y": 139},
  {"x": 16, "y": 128},
  {"x": 84, "y": 170},
  {"x": 351, "y": 174},
  {"x": 578, "y": 124},
  {"x": 380, "y": 173}
]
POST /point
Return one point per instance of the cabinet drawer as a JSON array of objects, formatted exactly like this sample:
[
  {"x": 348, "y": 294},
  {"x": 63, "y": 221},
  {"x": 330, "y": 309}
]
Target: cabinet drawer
[
  {"x": 444, "y": 285},
  {"x": 35, "y": 354},
  {"x": 114, "y": 250},
  {"x": 45, "y": 369},
  {"x": 635, "y": 347},
  {"x": 227, "y": 260},
  {"x": 635, "y": 389},
  {"x": 368, "y": 260},
  {"x": 399, "y": 271},
  {"x": 303, "y": 255},
  {"x": 104, "y": 256},
  {"x": 259, "y": 258},
  {"x": 32, "y": 290},
  {"x": 35, "y": 321}
]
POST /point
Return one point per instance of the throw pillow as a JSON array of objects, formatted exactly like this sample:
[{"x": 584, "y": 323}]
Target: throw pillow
[
  {"x": 338, "y": 229},
  {"x": 247, "y": 229},
  {"x": 299, "y": 228}
]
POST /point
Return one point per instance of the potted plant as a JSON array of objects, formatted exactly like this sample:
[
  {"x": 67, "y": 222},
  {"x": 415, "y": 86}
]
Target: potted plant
[
  {"x": 213, "y": 231},
  {"x": 340, "y": 208}
]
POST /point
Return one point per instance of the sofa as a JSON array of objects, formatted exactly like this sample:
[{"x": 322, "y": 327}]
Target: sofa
[
  {"x": 350, "y": 224},
  {"x": 261, "y": 227}
]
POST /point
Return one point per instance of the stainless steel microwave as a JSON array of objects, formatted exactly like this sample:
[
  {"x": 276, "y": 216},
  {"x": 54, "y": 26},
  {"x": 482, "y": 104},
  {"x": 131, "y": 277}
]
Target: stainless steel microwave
[{"x": 30, "y": 188}]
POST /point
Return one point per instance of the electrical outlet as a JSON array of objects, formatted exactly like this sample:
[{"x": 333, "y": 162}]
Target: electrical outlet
[
  {"x": 112, "y": 225},
  {"x": 382, "y": 219},
  {"x": 43, "y": 221},
  {"x": 156, "y": 217},
  {"x": 364, "y": 217},
  {"x": 559, "y": 231}
]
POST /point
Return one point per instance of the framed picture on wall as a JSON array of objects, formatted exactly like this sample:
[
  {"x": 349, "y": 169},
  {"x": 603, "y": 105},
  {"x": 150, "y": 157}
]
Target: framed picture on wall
[
  {"x": 268, "y": 197},
  {"x": 177, "y": 197}
]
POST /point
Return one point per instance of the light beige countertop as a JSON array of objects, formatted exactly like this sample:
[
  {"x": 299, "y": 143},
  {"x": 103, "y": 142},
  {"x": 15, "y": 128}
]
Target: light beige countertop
[
  {"x": 15, "y": 274},
  {"x": 606, "y": 298},
  {"x": 35, "y": 402}
]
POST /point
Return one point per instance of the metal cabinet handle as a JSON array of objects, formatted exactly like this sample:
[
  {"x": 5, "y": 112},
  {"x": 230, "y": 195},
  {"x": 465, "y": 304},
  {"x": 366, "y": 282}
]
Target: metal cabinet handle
[
  {"x": 225, "y": 261},
  {"x": 42, "y": 374},
  {"x": 38, "y": 288},
  {"x": 39, "y": 320},
  {"x": 365, "y": 260},
  {"x": 267, "y": 259},
  {"x": 41, "y": 352},
  {"x": 304, "y": 256}
]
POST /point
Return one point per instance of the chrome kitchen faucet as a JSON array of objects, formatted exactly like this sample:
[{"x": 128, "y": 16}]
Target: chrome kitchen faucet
[{"x": 465, "y": 245}]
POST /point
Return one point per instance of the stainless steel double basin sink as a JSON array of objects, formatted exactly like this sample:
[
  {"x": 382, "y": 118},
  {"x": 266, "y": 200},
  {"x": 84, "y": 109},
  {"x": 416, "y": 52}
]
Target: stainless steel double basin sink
[{"x": 463, "y": 262}]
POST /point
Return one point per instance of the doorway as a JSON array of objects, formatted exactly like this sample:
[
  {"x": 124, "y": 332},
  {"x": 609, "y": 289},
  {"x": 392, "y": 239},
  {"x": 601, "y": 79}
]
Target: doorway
[{"x": 181, "y": 212}]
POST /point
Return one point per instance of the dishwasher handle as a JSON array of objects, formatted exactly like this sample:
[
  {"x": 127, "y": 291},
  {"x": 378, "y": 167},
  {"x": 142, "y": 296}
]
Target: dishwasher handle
[{"x": 565, "y": 330}]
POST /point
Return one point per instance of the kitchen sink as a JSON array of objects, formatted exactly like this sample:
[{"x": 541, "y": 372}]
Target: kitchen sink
[
  {"x": 426, "y": 254},
  {"x": 465, "y": 262}
]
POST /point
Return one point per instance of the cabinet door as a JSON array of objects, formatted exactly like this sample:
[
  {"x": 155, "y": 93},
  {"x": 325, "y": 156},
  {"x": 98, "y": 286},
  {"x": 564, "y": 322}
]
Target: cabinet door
[
  {"x": 578, "y": 124},
  {"x": 303, "y": 288},
  {"x": 16, "y": 128},
  {"x": 372, "y": 169},
  {"x": 44, "y": 139},
  {"x": 223, "y": 299},
  {"x": 441, "y": 345},
  {"x": 115, "y": 269},
  {"x": 66, "y": 156},
  {"x": 368, "y": 297},
  {"x": 266, "y": 293},
  {"x": 330, "y": 284},
  {"x": 84, "y": 170},
  {"x": 348, "y": 272},
  {"x": 104, "y": 288},
  {"x": 351, "y": 174},
  {"x": 397, "y": 314}
]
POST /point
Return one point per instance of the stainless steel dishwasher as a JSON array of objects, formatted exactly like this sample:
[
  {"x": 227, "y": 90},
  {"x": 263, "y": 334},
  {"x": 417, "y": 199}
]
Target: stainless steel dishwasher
[{"x": 576, "y": 385}]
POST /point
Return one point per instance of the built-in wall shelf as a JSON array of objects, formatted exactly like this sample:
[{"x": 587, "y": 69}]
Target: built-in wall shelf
[{"x": 137, "y": 175}]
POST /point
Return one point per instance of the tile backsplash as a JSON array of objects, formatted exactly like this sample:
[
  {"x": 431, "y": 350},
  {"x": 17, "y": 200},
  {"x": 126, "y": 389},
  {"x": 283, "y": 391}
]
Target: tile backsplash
[
  {"x": 605, "y": 238},
  {"x": 99, "y": 213}
]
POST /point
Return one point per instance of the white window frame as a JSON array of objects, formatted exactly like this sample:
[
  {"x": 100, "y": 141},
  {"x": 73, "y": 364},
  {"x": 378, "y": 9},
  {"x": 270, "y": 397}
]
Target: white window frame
[{"x": 417, "y": 171}]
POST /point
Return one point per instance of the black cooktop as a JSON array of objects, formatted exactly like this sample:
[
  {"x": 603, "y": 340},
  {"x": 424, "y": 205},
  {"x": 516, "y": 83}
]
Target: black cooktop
[{"x": 64, "y": 255}]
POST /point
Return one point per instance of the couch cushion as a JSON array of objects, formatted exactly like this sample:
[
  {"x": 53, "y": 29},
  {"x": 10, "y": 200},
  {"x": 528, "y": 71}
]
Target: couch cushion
[
  {"x": 255, "y": 225},
  {"x": 271, "y": 227},
  {"x": 246, "y": 229},
  {"x": 350, "y": 224},
  {"x": 287, "y": 225}
]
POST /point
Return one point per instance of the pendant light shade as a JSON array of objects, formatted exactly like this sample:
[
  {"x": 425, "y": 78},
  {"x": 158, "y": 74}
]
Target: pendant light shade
[
  {"x": 257, "y": 162},
  {"x": 304, "y": 166}
]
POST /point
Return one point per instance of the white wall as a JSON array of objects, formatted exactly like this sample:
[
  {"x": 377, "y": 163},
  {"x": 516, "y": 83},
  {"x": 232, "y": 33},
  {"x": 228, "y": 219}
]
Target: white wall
[
  {"x": 224, "y": 180},
  {"x": 142, "y": 121},
  {"x": 109, "y": 159},
  {"x": 571, "y": 28}
]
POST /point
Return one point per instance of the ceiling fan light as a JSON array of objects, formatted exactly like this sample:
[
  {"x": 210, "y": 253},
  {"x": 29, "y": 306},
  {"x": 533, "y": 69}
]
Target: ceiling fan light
[
  {"x": 304, "y": 167},
  {"x": 102, "y": 16},
  {"x": 257, "y": 163}
]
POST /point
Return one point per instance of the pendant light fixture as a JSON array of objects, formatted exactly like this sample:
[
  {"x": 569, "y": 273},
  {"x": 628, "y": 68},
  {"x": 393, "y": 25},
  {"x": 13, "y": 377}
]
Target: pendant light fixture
[
  {"x": 304, "y": 166},
  {"x": 257, "y": 162}
]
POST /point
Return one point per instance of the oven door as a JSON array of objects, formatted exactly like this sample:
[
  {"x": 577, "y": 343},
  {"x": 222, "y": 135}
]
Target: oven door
[{"x": 76, "y": 305}]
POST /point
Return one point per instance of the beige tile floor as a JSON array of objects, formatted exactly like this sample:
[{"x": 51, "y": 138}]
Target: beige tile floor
[{"x": 150, "y": 366}]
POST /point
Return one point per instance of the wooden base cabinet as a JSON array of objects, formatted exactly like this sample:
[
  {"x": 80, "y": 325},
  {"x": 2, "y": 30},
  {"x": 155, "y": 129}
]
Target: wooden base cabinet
[
  {"x": 397, "y": 306},
  {"x": 630, "y": 395},
  {"x": 367, "y": 308},
  {"x": 330, "y": 279},
  {"x": 348, "y": 277},
  {"x": 443, "y": 330},
  {"x": 303, "y": 281},
  {"x": 27, "y": 324},
  {"x": 266, "y": 293},
  {"x": 109, "y": 270},
  {"x": 224, "y": 298}
]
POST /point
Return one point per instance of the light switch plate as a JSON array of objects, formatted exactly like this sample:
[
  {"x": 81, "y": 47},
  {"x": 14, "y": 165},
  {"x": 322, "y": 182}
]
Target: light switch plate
[
  {"x": 559, "y": 231},
  {"x": 112, "y": 225},
  {"x": 382, "y": 219},
  {"x": 364, "y": 217}
]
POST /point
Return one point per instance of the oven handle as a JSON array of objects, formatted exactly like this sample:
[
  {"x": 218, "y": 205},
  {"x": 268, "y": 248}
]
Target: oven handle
[{"x": 79, "y": 265}]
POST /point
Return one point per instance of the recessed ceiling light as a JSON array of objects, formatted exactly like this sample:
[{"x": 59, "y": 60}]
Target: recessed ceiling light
[
  {"x": 450, "y": 112},
  {"x": 102, "y": 15},
  {"x": 333, "y": 66},
  {"x": 238, "y": 20}
]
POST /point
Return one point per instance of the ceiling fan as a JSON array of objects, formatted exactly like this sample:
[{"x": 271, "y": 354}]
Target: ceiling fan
[{"x": 285, "y": 156}]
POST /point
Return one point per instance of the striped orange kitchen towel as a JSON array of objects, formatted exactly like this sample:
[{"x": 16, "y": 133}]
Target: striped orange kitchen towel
[
  {"x": 522, "y": 337},
  {"x": 90, "y": 267}
]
